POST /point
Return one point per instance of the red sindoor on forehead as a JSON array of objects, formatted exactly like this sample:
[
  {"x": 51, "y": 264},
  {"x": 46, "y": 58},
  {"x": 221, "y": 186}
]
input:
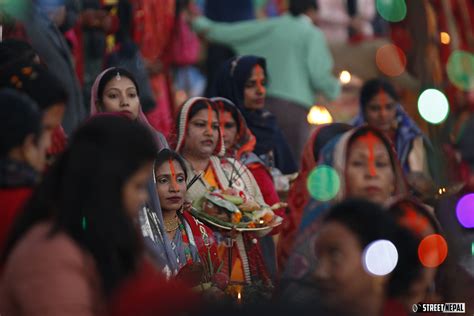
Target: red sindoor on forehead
[
  {"x": 414, "y": 220},
  {"x": 174, "y": 181},
  {"x": 370, "y": 140},
  {"x": 382, "y": 97},
  {"x": 222, "y": 116},
  {"x": 260, "y": 73}
]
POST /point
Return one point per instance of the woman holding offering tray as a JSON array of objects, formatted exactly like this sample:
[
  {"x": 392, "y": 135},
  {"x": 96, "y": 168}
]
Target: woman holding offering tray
[
  {"x": 224, "y": 192},
  {"x": 179, "y": 239}
]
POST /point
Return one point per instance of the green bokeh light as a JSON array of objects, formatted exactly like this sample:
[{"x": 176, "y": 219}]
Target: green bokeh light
[
  {"x": 323, "y": 183},
  {"x": 460, "y": 69},
  {"x": 433, "y": 106},
  {"x": 12, "y": 9},
  {"x": 392, "y": 10}
]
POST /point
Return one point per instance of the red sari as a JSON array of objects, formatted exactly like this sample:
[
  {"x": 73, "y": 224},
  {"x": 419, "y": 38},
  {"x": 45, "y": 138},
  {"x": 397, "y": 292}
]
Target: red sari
[
  {"x": 153, "y": 30},
  {"x": 149, "y": 293},
  {"x": 298, "y": 197}
]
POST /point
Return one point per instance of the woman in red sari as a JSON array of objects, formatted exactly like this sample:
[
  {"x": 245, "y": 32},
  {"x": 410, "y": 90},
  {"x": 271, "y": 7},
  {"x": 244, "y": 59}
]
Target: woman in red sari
[
  {"x": 299, "y": 196},
  {"x": 153, "y": 22},
  {"x": 239, "y": 143},
  {"x": 180, "y": 240}
]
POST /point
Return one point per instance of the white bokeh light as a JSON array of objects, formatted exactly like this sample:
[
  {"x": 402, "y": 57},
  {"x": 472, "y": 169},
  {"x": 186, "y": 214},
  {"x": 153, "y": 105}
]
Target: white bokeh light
[
  {"x": 345, "y": 77},
  {"x": 433, "y": 106},
  {"x": 380, "y": 257}
]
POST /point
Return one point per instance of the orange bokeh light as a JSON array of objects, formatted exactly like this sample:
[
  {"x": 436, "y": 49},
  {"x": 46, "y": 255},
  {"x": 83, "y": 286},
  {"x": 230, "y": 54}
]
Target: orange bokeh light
[
  {"x": 432, "y": 250},
  {"x": 391, "y": 60},
  {"x": 444, "y": 38}
]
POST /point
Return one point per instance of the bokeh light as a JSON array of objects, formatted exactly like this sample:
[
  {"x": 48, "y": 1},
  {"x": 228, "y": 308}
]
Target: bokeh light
[
  {"x": 318, "y": 114},
  {"x": 345, "y": 77},
  {"x": 433, "y": 106},
  {"x": 432, "y": 250},
  {"x": 444, "y": 38},
  {"x": 390, "y": 60},
  {"x": 465, "y": 211},
  {"x": 392, "y": 10},
  {"x": 14, "y": 8},
  {"x": 380, "y": 257},
  {"x": 323, "y": 183},
  {"x": 460, "y": 69}
]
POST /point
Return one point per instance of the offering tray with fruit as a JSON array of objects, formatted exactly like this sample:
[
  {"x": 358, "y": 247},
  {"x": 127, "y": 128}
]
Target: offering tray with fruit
[{"x": 231, "y": 209}]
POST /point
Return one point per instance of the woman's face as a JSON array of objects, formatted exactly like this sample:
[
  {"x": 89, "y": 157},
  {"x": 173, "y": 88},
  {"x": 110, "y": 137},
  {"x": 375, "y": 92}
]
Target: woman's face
[
  {"x": 339, "y": 274},
  {"x": 120, "y": 95},
  {"x": 254, "y": 89},
  {"x": 229, "y": 129},
  {"x": 369, "y": 172},
  {"x": 135, "y": 192},
  {"x": 170, "y": 185},
  {"x": 381, "y": 111},
  {"x": 52, "y": 117},
  {"x": 34, "y": 150},
  {"x": 202, "y": 134}
]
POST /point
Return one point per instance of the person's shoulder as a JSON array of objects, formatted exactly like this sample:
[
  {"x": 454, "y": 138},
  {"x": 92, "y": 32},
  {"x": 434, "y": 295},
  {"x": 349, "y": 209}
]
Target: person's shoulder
[
  {"x": 315, "y": 32},
  {"x": 46, "y": 249}
]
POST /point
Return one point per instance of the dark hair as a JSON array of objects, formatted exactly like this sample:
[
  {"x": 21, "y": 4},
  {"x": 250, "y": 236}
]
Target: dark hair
[
  {"x": 111, "y": 74},
  {"x": 165, "y": 154},
  {"x": 19, "y": 117},
  {"x": 37, "y": 82},
  {"x": 233, "y": 75},
  {"x": 388, "y": 145},
  {"x": 370, "y": 222},
  {"x": 374, "y": 86},
  {"x": 367, "y": 220},
  {"x": 81, "y": 194},
  {"x": 13, "y": 51},
  {"x": 398, "y": 209},
  {"x": 327, "y": 133},
  {"x": 297, "y": 7},
  {"x": 201, "y": 105}
]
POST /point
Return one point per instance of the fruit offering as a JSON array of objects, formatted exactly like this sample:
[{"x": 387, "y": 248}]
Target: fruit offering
[{"x": 232, "y": 208}]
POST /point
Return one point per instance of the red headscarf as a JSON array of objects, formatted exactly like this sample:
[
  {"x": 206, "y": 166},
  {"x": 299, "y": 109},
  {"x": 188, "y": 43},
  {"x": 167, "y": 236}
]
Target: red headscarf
[
  {"x": 245, "y": 140},
  {"x": 298, "y": 197}
]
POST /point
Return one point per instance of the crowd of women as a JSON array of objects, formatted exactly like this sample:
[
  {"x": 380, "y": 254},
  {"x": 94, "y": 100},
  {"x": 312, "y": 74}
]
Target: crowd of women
[
  {"x": 107, "y": 222},
  {"x": 110, "y": 220}
]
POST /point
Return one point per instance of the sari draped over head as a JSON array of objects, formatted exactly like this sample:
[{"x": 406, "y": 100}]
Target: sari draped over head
[
  {"x": 230, "y": 84},
  {"x": 183, "y": 122},
  {"x": 242, "y": 150},
  {"x": 406, "y": 132},
  {"x": 335, "y": 155},
  {"x": 162, "y": 255},
  {"x": 299, "y": 196},
  {"x": 244, "y": 146},
  {"x": 171, "y": 255},
  {"x": 228, "y": 172},
  {"x": 302, "y": 259},
  {"x": 245, "y": 140},
  {"x": 94, "y": 109}
]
